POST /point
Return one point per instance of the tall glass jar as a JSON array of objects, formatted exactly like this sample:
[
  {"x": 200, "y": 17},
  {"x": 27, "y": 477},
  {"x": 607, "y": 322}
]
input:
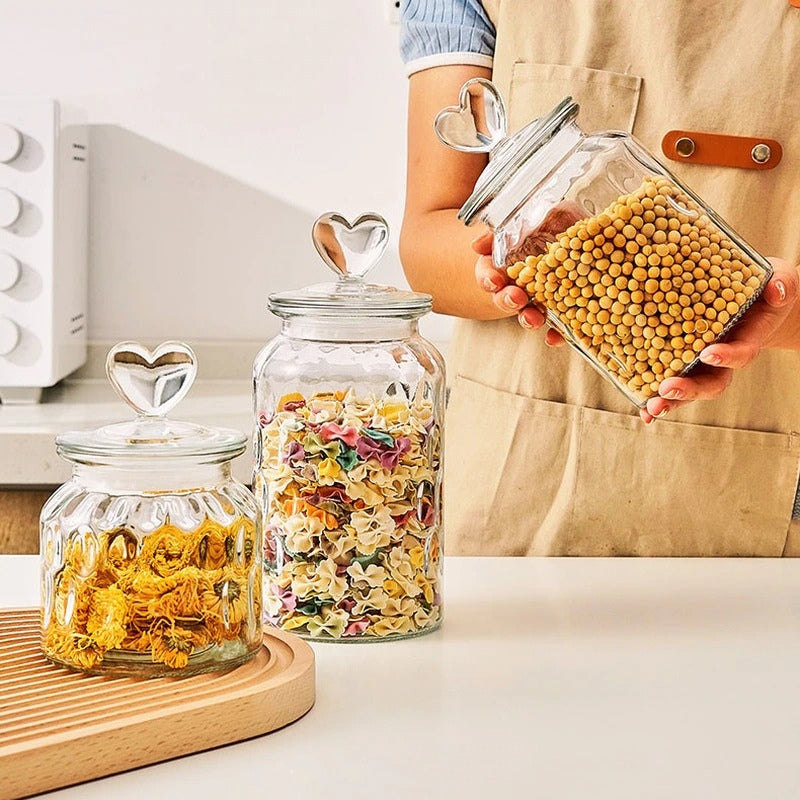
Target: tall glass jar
[
  {"x": 349, "y": 401},
  {"x": 151, "y": 552},
  {"x": 627, "y": 263}
]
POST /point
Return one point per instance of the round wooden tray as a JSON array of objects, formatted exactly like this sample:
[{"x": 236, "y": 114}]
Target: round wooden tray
[{"x": 59, "y": 727}]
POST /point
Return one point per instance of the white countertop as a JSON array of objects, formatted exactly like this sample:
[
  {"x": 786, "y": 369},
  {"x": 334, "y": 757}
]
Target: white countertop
[
  {"x": 27, "y": 433},
  {"x": 221, "y": 396},
  {"x": 550, "y": 678}
]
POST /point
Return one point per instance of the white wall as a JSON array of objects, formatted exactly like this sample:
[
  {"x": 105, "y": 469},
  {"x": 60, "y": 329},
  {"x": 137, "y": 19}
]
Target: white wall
[{"x": 220, "y": 130}]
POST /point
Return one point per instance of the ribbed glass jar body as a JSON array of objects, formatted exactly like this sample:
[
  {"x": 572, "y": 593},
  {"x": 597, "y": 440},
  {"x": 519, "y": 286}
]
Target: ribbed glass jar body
[
  {"x": 348, "y": 448},
  {"x": 151, "y": 569}
]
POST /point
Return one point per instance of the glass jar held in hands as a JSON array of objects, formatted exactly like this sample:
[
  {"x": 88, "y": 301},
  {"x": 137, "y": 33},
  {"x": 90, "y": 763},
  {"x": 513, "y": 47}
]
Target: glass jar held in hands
[{"x": 594, "y": 236}]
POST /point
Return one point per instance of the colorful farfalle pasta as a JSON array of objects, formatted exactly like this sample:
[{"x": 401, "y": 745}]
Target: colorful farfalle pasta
[{"x": 350, "y": 494}]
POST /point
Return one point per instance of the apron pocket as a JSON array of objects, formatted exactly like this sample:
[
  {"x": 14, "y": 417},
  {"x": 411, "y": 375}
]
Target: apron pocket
[
  {"x": 510, "y": 467},
  {"x": 608, "y": 100},
  {"x": 676, "y": 489}
]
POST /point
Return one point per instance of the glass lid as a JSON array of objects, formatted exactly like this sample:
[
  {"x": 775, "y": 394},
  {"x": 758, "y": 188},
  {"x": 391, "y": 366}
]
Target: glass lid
[
  {"x": 478, "y": 124},
  {"x": 152, "y": 383},
  {"x": 350, "y": 251}
]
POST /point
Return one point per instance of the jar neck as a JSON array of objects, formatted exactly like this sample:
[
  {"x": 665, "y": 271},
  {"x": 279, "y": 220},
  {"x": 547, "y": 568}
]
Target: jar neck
[
  {"x": 152, "y": 478},
  {"x": 541, "y": 165},
  {"x": 352, "y": 329}
]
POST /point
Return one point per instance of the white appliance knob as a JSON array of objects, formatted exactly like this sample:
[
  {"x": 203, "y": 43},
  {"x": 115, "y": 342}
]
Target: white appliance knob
[
  {"x": 9, "y": 271},
  {"x": 9, "y": 335},
  {"x": 10, "y": 208},
  {"x": 10, "y": 143}
]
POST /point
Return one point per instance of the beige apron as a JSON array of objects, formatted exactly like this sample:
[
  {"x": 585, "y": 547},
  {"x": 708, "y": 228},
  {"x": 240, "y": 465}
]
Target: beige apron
[{"x": 544, "y": 457}]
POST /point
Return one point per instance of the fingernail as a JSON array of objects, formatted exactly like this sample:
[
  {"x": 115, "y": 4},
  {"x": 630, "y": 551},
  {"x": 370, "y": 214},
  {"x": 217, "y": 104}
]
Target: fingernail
[
  {"x": 509, "y": 303},
  {"x": 673, "y": 394},
  {"x": 663, "y": 412},
  {"x": 781, "y": 290},
  {"x": 524, "y": 322},
  {"x": 710, "y": 358},
  {"x": 488, "y": 284}
]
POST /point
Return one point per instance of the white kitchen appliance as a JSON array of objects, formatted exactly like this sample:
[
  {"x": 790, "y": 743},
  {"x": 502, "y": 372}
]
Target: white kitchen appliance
[{"x": 43, "y": 245}]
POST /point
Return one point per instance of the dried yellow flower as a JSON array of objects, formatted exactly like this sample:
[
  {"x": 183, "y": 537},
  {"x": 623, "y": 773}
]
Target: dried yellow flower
[
  {"x": 175, "y": 594},
  {"x": 107, "y": 614}
]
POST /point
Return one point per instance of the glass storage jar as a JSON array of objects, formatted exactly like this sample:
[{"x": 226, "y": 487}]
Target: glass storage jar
[
  {"x": 349, "y": 400},
  {"x": 151, "y": 552},
  {"x": 627, "y": 263}
]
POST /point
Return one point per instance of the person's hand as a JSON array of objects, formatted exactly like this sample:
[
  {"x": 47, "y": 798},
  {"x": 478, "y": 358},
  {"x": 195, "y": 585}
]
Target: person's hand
[
  {"x": 758, "y": 329},
  {"x": 506, "y": 295}
]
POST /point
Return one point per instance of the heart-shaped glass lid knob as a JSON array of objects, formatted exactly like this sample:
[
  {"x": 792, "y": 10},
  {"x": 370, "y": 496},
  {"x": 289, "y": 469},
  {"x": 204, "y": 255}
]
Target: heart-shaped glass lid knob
[
  {"x": 478, "y": 123},
  {"x": 151, "y": 382},
  {"x": 351, "y": 250}
]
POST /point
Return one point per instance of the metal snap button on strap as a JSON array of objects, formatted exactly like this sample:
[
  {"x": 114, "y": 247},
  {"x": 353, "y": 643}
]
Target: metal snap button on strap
[
  {"x": 685, "y": 147},
  {"x": 761, "y": 153},
  {"x": 720, "y": 150}
]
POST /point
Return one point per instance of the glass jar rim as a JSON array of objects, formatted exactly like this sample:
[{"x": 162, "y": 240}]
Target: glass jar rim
[
  {"x": 144, "y": 438},
  {"x": 353, "y": 297}
]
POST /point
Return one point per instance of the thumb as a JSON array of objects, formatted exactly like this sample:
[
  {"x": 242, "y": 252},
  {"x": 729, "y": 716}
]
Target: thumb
[
  {"x": 482, "y": 244},
  {"x": 760, "y": 323},
  {"x": 783, "y": 286}
]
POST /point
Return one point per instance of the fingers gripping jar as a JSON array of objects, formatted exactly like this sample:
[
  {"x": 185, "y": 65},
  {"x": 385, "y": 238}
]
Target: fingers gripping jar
[
  {"x": 151, "y": 552},
  {"x": 627, "y": 263},
  {"x": 349, "y": 401}
]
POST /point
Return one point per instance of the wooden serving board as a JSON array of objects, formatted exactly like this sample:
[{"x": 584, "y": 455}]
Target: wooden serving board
[{"x": 59, "y": 727}]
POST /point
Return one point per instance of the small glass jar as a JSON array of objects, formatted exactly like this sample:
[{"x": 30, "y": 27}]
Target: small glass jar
[
  {"x": 349, "y": 400},
  {"x": 627, "y": 263},
  {"x": 151, "y": 552}
]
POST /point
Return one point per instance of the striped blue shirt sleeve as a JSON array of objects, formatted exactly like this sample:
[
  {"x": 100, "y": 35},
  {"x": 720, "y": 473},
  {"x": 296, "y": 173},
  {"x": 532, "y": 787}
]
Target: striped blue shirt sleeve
[{"x": 437, "y": 32}]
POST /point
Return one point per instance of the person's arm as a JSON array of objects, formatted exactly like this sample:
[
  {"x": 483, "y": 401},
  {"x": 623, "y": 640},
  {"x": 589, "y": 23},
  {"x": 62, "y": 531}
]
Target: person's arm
[
  {"x": 436, "y": 247},
  {"x": 437, "y": 250}
]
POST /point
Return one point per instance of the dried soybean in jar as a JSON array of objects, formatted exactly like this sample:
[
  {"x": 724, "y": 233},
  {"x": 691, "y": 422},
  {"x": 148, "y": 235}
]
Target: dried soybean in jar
[{"x": 643, "y": 286}]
